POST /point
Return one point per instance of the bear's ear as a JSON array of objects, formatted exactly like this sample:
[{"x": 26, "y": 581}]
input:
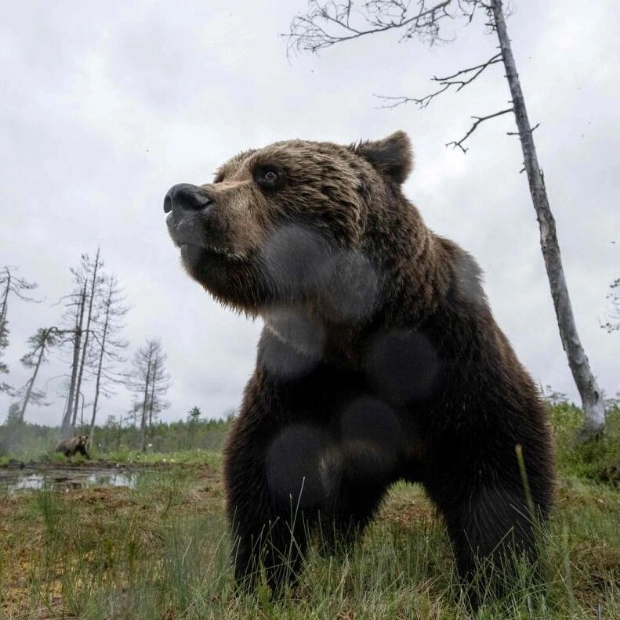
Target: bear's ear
[{"x": 391, "y": 156}]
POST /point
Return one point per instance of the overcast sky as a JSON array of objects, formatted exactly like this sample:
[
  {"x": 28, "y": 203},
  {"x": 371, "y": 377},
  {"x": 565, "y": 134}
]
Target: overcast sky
[{"x": 105, "y": 105}]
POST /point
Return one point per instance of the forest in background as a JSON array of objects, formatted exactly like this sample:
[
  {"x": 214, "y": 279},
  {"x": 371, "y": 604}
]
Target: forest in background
[
  {"x": 189, "y": 439},
  {"x": 88, "y": 338},
  {"x": 26, "y": 442}
]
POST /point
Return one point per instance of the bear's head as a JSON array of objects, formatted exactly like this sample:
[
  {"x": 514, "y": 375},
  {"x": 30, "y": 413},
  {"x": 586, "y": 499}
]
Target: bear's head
[{"x": 297, "y": 224}]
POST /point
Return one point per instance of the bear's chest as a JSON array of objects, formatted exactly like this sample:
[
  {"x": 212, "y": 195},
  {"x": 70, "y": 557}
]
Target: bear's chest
[{"x": 336, "y": 424}]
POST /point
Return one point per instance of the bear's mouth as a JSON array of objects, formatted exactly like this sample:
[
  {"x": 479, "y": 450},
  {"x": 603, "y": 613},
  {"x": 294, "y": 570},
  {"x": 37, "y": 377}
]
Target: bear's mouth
[
  {"x": 194, "y": 252},
  {"x": 190, "y": 239}
]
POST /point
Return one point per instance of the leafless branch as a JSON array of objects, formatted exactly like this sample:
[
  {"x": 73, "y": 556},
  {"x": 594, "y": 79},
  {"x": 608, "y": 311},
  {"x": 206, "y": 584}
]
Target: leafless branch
[
  {"x": 478, "y": 69},
  {"x": 445, "y": 83},
  {"x": 394, "y": 102},
  {"x": 479, "y": 120},
  {"x": 329, "y": 22},
  {"x": 468, "y": 8}
]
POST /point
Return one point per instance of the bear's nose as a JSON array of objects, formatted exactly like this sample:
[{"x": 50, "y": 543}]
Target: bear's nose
[{"x": 186, "y": 197}]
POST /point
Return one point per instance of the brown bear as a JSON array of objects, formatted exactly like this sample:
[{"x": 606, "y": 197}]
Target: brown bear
[
  {"x": 70, "y": 447},
  {"x": 379, "y": 361}
]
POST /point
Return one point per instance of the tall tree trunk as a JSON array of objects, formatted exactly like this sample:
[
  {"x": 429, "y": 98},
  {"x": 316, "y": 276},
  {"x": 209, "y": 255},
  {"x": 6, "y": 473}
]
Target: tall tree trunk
[
  {"x": 91, "y": 434},
  {"x": 591, "y": 396},
  {"x": 5, "y": 300},
  {"x": 145, "y": 408},
  {"x": 113, "y": 310},
  {"x": 152, "y": 401},
  {"x": 89, "y": 316},
  {"x": 22, "y": 413},
  {"x": 66, "y": 428}
]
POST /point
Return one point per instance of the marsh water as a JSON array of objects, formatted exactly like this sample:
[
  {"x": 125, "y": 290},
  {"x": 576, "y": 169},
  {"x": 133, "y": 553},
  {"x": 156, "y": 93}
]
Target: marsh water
[{"x": 39, "y": 475}]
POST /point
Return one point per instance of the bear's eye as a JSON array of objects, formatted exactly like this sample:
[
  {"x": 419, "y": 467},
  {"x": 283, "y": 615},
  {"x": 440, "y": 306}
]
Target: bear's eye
[{"x": 269, "y": 178}]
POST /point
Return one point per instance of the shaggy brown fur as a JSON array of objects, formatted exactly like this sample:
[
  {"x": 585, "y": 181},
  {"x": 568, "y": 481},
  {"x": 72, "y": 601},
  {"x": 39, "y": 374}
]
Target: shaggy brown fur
[
  {"x": 70, "y": 447},
  {"x": 379, "y": 361}
]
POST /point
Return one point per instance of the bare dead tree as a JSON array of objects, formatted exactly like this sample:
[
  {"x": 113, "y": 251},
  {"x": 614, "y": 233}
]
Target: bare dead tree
[
  {"x": 151, "y": 381},
  {"x": 591, "y": 395},
  {"x": 40, "y": 344},
  {"x": 4, "y": 343},
  {"x": 329, "y": 22},
  {"x": 10, "y": 284},
  {"x": 109, "y": 344},
  {"x": 77, "y": 306},
  {"x": 90, "y": 274},
  {"x": 78, "y": 326}
]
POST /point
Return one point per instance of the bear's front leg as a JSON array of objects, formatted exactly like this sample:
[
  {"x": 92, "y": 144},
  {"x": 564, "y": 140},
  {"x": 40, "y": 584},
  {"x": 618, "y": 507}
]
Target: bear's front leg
[
  {"x": 276, "y": 483},
  {"x": 265, "y": 535},
  {"x": 492, "y": 529},
  {"x": 277, "y": 548}
]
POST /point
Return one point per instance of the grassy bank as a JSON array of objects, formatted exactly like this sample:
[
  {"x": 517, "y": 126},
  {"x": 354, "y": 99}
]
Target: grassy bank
[{"x": 160, "y": 550}]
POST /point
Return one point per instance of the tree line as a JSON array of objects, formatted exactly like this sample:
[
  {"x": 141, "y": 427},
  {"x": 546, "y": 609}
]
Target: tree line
[
  {"x": 88, "y": 338},
  {"x": 119, "y": 437}
]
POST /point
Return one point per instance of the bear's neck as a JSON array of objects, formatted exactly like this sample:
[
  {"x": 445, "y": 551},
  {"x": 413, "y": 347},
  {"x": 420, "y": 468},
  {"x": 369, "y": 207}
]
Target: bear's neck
[
  {"x": 312, "y": 335},
  {"x": 415, "y": 274},
  {"x": 407, "y": 300},
  {"x": 415, "y": 266}
]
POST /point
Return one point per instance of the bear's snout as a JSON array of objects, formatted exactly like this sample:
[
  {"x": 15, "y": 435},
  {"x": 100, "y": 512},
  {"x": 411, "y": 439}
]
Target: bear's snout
[{"x": 186, "y": 197}]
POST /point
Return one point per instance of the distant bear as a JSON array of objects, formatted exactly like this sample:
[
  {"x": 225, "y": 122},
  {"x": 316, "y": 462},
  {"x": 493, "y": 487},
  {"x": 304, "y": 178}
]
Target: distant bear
[
  {"x": 379, "y": 361},
  {"x": 70, "y": 447}
]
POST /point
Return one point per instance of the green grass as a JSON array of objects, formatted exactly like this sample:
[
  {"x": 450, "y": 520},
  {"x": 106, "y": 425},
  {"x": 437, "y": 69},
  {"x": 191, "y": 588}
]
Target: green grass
[
  {"x": 161, "y": 551},
  {"x": 187, "y": 457},
  {"x": 597, "y": 460}
]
